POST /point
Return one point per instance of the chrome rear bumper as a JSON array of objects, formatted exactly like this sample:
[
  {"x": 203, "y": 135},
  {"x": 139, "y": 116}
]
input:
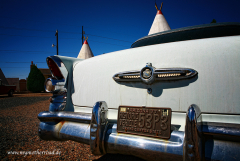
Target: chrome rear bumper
[{"x": 101, "y": 134}]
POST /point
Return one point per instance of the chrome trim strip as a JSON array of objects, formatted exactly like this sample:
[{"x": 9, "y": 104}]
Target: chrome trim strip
[
  {"x": 217, "y": 128},
  {"x": 128, "y": 75},
  {"x": 119, "y": 76},
  {"x": 63, "y": 115},
  {"x": 214, "y": 113},
  {"x": 167, "y": 74}
]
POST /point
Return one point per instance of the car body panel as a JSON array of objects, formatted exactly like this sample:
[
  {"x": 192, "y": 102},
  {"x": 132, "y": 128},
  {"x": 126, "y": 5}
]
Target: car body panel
[{"x": 215, "y": 59}]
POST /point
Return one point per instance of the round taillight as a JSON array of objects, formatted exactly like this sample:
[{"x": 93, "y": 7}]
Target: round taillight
[{"x": 54, "y": 69}]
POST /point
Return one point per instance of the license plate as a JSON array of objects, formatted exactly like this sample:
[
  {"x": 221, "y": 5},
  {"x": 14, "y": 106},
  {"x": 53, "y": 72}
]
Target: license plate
[{"x": 146, "y": 121}]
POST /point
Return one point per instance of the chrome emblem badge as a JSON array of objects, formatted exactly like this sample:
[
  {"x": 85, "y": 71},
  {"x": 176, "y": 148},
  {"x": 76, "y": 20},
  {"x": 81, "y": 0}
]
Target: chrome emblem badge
[{"x": 147, "y": 73}]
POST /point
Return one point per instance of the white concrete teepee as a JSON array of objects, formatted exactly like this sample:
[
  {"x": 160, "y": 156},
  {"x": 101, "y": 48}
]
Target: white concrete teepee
[
  {"x": 85, "y": 51},
  {"x": 159, "y": 24}
]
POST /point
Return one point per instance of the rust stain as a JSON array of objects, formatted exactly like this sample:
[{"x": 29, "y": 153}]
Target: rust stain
[
  {"x": 166, "y": 145},
  {"x": 60, "y": 125},
  {"x": 62, "y": 122},
  {"x": 116, "y": 138}
]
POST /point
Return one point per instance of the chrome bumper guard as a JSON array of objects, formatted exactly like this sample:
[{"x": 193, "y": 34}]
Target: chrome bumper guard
[{"x": 101, "y": 134}]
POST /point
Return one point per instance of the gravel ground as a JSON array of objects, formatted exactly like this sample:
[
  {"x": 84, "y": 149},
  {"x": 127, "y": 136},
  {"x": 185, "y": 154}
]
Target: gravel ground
[{"x": 19, "y": 133}]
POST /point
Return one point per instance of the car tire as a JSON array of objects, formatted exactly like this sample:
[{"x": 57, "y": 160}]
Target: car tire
[{"x": 10, "y": 93}]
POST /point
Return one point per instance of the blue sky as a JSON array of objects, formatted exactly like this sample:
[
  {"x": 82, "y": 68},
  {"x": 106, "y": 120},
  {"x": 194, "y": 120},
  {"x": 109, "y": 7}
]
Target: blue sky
[{"x": 27, "y": 28}]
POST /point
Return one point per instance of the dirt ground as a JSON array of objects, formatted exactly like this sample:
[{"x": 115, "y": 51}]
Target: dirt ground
[{"x": 19, "y": 133}]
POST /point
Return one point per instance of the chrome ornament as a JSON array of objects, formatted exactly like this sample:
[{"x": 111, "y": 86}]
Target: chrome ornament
[
  {"x": 146, "y": 74},
  {"x": 149, "y": 74}
]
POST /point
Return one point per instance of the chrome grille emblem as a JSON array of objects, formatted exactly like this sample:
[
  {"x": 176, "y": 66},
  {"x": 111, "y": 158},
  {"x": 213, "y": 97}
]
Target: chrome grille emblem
[{"x": 149, "y": 74}]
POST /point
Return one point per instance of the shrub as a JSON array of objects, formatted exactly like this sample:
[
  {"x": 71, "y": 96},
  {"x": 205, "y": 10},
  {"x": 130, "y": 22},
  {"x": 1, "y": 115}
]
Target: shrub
[{"x": 35, "y": 81}]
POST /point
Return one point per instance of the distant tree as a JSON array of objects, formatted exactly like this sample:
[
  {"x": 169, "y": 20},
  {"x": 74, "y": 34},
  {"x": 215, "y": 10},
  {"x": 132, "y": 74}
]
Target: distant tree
[
  {"x": 35, "y": 81},
  {"x": 214, "y": 21}
]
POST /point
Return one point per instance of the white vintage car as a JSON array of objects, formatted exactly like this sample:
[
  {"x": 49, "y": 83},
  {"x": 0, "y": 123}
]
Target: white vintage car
[{"x": 172, "y": 95}]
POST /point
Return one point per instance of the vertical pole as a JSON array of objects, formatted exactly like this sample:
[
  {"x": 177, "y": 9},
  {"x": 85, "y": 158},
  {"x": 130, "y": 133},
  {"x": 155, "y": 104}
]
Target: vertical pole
[
  {"x": 82, "y": 35},
  {"x": 57, "y": 40}
]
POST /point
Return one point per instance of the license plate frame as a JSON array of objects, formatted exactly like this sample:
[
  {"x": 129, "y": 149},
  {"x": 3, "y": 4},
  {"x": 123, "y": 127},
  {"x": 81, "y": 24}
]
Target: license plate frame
[{"x": 145, "y": 121}]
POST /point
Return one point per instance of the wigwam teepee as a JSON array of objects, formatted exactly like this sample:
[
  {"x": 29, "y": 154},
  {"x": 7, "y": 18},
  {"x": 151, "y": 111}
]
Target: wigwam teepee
[
  {"x": 85, "y": 51},
  {"x": 159, "y": 24}
]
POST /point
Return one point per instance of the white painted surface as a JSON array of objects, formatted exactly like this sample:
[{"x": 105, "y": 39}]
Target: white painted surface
[
  {"x": 234, "y": 119},
  {"x": 159, "y": 24},
  {"x": 216, "y": 89}
]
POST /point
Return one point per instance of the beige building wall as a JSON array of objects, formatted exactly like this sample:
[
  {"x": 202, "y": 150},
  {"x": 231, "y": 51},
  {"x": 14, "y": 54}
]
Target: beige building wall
[
  {"x": 23, "y": 85},
  {"x": 14, "y": 81}
]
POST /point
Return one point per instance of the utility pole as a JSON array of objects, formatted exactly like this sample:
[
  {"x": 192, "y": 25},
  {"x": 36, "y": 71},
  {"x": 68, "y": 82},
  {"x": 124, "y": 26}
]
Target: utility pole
[
  {"x": 57, "y": 40},
  {"x": 82, "y": 35}
]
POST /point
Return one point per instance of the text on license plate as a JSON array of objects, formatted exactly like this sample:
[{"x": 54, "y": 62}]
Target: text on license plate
[{"x": 147, "y": 121}]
